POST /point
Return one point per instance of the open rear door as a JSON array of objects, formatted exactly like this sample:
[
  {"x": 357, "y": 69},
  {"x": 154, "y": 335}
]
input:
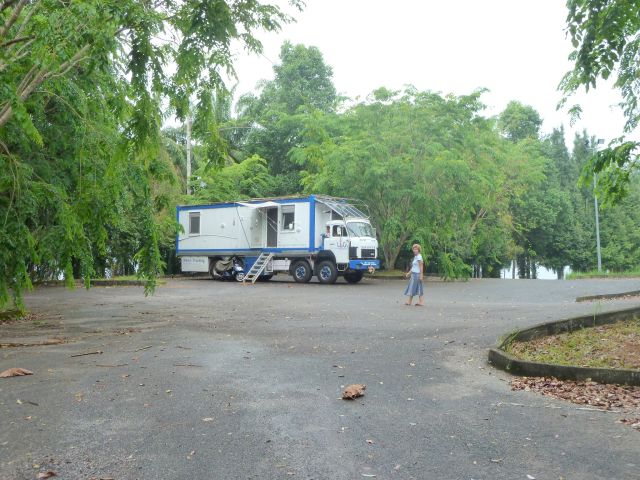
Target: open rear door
[
  {"x": 272, "y": 227},
  {"x": 269, "y": 211}
]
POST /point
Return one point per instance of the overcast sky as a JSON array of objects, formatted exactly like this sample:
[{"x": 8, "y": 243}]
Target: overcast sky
[{"x": 515, "y": 48}]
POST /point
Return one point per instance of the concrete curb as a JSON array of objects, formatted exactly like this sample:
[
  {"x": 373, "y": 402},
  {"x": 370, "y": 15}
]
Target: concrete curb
[
  {"x": 516, "y": 366},
  {"x": 608, "y": 296},
  {"x": 116, "y": 283}
]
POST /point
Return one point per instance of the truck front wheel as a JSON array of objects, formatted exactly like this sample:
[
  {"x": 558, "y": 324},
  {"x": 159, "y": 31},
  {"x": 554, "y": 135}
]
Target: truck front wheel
[
  {"x": 301, "y": 271},
  {"x": 327, "y": 272},
  {"x": 353, "y": 277}
]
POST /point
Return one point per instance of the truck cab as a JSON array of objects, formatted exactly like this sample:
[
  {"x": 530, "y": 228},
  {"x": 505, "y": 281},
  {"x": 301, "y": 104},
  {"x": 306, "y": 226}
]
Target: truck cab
[{"x": 351, "y": 244}]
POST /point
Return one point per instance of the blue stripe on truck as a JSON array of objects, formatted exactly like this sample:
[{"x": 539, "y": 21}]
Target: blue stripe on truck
[
  {"x": 364, "y": 264},
  {"x": 312, "y": 223}
]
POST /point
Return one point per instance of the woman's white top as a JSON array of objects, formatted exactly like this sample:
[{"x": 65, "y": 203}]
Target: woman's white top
[{"x": 415, "y": 266}]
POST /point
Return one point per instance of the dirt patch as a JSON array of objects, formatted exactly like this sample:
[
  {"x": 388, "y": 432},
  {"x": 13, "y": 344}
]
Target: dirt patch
[
  {"x": 606, "y": 397},
  {"x": 608, "y": 346}
]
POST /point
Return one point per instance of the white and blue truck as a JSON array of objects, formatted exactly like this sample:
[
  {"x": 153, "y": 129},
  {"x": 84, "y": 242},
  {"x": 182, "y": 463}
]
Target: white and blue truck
[{"x": 251, "y": 240}]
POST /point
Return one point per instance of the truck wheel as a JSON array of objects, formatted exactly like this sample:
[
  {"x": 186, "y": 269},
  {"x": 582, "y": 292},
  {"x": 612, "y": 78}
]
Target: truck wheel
[
  {"x": 353, "y": 277},
  {"x": 327, "y": 272},
  {"x": 301, "y": 271}
]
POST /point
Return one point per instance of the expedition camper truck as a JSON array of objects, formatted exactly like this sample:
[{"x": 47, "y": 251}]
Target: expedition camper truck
[{"x": 255, "y": 239}]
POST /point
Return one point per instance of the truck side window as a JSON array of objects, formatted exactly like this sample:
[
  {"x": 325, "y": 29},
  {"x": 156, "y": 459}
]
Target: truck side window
[
  {"x": 288, "y": 217},
  {"x": 194, "y": 223},
  {"x": 339, "y": 231}
]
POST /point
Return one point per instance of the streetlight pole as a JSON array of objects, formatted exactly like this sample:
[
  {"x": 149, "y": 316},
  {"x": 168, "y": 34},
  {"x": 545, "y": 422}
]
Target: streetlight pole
[
  {"x": 188, "y": 141},
  {"x": 600, "y": 141},
  {"x": 595, "y": 201}
]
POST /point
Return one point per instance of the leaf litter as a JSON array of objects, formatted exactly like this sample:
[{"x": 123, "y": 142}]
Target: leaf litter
[{"x": 607, "y": 397}]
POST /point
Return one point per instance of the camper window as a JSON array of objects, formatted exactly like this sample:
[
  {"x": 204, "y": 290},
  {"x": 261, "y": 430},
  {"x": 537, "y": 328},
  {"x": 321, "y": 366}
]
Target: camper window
[
  {"x": 194, "y": 223},
  {"x": 288, "y": 217}
]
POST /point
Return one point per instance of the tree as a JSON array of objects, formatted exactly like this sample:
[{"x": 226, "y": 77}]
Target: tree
[
  {"x": 430, "y": 169},
  {"x": 302, "y": 84},
  {"x": 83, "y": 175},
  {"x": 518, "y": 122},
  {"x": 606, "y": 38}
]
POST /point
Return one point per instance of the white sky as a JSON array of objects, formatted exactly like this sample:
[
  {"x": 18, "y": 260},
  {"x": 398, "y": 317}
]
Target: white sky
[{"x": 515, "y": 48}]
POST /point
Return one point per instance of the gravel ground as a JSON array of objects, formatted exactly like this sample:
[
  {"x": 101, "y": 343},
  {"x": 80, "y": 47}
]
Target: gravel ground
[{"x": 217, "y": 380}]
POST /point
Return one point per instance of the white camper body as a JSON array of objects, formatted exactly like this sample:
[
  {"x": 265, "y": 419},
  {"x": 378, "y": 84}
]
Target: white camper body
[{"x": 304, "y": 236}]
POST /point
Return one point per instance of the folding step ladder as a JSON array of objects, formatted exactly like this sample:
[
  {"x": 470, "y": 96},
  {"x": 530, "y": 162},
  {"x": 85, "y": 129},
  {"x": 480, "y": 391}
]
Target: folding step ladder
[{"x": 258, "y": 267}]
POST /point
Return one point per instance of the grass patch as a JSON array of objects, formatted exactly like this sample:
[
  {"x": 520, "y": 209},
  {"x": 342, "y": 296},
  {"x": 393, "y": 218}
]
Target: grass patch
[
  {"x": 596, "y": 274},
  {"x": 607, "y": 346},
  {"x": 389, "y": 273},
  {"x": 119, "y": 277},
  {"x": 10, "y": 315}
]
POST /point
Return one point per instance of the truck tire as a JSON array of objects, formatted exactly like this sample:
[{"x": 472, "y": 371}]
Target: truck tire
[
  {"x": 327, "y": 272},
  {"x": 301, "y": 271},
  {"x": 353, "y": 277}
]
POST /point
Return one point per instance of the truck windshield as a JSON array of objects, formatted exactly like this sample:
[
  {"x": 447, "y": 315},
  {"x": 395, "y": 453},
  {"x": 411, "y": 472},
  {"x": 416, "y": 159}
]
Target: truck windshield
[{"x": 360, "y": 229}]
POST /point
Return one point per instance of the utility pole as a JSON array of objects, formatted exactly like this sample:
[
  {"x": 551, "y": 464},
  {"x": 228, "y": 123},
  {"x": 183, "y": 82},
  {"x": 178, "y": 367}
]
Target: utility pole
[
  {"x": 188, "y": 152},
  {"x": 600, "y": 141}
]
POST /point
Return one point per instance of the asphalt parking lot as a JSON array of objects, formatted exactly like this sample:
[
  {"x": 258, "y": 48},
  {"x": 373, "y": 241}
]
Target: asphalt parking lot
[{"x": 214, "y": 380}]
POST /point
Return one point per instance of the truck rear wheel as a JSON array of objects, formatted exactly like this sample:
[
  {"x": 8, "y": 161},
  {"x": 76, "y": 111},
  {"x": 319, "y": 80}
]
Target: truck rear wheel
[
  {"x": 353, "y": 277},
  {"x": 327, "y": 272},
  {"x": 301, "y": 271}
]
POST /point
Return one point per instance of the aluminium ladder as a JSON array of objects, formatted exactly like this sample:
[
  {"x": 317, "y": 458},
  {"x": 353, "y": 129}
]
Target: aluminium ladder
[{"x": 258, "y": 267}]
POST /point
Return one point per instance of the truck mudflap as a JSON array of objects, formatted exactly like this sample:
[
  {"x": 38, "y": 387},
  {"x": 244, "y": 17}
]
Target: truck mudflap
[{"x": 364, "y": 264}]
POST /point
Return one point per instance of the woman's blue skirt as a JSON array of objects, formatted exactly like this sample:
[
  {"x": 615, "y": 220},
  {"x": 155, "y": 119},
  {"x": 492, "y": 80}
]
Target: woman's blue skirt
[{"x": 415, "y": 286}]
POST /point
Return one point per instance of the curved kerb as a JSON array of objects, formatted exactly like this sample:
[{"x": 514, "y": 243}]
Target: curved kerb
[
  {"x": 608, "y": 296},
  {"x": 516, "y": 366}
]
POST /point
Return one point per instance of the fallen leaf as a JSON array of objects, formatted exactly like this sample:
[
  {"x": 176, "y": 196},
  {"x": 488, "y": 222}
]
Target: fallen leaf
[
  {"x": 370, "y": 442},
  {"x": 207, "y": 419},
  {"x": 79, "y": 396},
  {"x": 15, "y": 372},
  {"x": 353, "y": 391},
  {"x": 47, "y": 474}
]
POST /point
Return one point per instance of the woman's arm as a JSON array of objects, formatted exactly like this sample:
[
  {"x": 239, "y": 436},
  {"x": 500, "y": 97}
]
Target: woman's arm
[{"x": 421, "y": 263}]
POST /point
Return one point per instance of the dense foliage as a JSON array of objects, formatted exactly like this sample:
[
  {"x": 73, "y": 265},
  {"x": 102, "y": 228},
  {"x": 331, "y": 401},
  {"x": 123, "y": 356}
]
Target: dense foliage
[
  {"x": 86, "y": 183},
  {"x": 89, "y": 180},
  {"x": 606, "y": 38}
]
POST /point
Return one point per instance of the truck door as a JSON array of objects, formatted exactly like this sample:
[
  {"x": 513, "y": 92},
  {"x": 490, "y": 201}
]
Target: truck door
[
  {"x": 338, "y": 243},
  {"x": 272, "y": 227}
]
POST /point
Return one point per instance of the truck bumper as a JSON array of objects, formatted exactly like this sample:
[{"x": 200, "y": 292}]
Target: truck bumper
[{"x": 364, "y": 264}]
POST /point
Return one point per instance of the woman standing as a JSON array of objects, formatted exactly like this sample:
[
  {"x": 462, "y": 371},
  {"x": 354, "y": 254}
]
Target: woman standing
[{"x": 417, "y": 274}]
